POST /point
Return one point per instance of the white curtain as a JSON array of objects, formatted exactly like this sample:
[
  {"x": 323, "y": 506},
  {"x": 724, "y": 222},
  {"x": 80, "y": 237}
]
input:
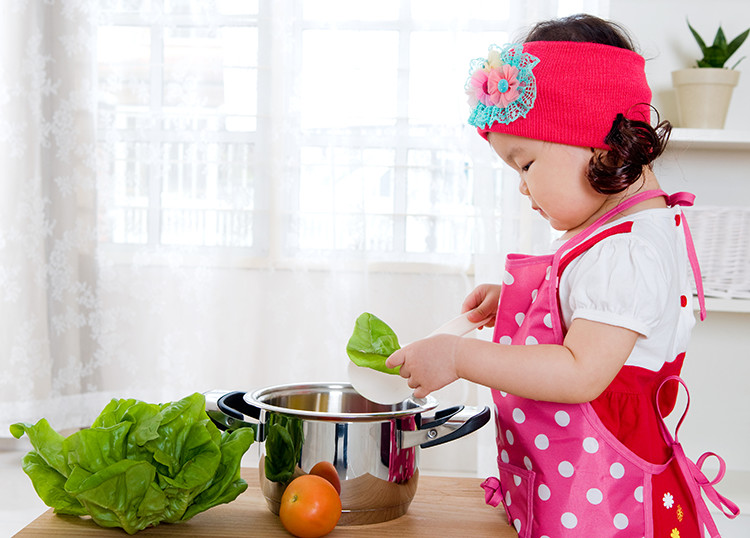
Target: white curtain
[{"x": 206, "y": 194}]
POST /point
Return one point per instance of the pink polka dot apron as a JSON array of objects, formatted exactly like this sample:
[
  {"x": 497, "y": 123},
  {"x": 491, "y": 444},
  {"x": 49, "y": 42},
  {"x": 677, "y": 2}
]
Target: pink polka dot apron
[{"x": 562, "y": 472}]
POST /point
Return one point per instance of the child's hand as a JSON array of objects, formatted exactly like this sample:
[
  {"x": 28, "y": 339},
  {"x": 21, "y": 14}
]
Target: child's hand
[
  {"x": 482, "y": 304},
  {"x": 428, "y": 364}
]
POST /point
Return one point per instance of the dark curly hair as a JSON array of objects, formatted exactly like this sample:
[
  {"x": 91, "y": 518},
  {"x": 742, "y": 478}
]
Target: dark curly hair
[{"x": 634, "y": 144}]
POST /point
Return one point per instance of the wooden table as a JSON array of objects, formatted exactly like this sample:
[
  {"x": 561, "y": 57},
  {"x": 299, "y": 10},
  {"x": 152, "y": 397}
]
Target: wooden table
[{"x": 442, "y": 506}]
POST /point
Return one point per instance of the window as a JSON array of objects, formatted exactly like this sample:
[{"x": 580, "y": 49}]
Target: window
[
  {"x": 294, "y": 130},
  {"x": 177, "y": 123}
]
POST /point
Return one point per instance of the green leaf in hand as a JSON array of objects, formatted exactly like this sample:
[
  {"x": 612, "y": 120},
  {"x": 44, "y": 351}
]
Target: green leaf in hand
[{"x": 372, "y": 342}]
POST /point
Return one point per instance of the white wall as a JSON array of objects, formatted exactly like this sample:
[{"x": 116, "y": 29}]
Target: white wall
[{"x": 661, "y": 32}]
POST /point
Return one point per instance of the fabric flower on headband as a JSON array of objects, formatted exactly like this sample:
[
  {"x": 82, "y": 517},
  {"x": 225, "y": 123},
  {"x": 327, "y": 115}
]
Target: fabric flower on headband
[{"x": 501, "y": 87}]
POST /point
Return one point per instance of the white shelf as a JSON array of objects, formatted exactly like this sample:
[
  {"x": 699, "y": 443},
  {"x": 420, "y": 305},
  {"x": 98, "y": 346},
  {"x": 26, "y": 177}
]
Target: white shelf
[
  {"x": 709, "y": 139},
  {"x": 713, "y": 304}
]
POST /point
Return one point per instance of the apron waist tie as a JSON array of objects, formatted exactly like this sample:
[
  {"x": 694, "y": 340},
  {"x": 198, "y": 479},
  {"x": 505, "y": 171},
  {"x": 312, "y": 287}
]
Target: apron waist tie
[
  {"x": 492, "y": 494},
  {"x": 697, "y": 482}
]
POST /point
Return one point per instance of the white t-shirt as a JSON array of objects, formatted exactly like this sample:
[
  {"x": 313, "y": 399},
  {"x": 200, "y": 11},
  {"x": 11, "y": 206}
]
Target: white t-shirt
[{"x": 639, "y": 280}]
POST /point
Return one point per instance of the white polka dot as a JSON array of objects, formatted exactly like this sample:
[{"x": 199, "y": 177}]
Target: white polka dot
[
  {"x": 507, "y": 340},
  {"x": 569, "y": 520},
  {"x": 503, "y": 394},
  {"x": 508, "y": 500},
  {"x": 531, "y": 341},
  {"x": 620, "y": 521},
  {"x": 546, "y": 273},
  {"x": 504, "y": 456},
  {"x": 594, "y": 496},
  {"x": 518, "y": 416},
  {"x": 638, "y": 494},
  {"x": 508, "y": 279},
  {"x": 543, "y": 492},
  {"x": 590, "y": 445},
  {"x": 519, "y": 318},
  {"x": 548, "y": 320},
  {"x": 562, "y": 418},
  {"x": 517, "y": 525},
  {"x": 617, "y": 470},
  {"x": 542, "y": 442},
  {"x": 565, "y": 469},
  {"x": 534, "y": 293},
  {"x": 516, "y": 480},
  {"x": 509, "y": 437},
  {"x": 527, "y": 463}
]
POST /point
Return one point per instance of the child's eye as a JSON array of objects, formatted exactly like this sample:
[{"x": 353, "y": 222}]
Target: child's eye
[{"x": 526, "y": 167}]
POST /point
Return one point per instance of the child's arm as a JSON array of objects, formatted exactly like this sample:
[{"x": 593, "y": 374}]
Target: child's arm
[{"x": 576, "y": 371}]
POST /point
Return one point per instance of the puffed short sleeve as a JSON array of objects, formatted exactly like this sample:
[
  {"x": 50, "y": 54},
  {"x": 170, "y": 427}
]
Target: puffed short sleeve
[{"x": 620, "y": 281}]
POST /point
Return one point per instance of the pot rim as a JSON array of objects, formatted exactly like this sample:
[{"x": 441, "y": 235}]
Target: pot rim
[{"x": 375, "y": 411}]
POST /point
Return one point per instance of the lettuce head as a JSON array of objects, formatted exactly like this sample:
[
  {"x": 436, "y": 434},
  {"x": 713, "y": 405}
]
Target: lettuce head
[{"x": 138, "y": 465}]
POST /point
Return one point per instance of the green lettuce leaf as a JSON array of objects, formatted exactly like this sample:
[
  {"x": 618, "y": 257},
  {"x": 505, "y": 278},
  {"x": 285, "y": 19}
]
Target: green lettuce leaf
[
  {"x": 372, "y": 342},
  {"x": 283, "y": 447},
  {"x": 138, "y": 465}
]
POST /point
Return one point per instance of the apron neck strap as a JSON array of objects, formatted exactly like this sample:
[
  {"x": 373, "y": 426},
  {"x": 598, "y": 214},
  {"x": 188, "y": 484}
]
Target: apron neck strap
[
  {"x": 619, "y": 208},
  {"x": 676, "y": 199}
]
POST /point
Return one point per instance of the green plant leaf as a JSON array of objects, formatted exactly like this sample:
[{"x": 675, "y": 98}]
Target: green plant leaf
[
  {"x": 697, "y": 37},
  {"x": 720, "y": 40},
  {"x": 371, "y": 343},
  {"x": 48, "y": 441},
  {"x": 720, "y": 51},
  {"x": 736, "y": 43},
  {"x": 714, "y": 57},
  {"x": 50, "y": 486}
]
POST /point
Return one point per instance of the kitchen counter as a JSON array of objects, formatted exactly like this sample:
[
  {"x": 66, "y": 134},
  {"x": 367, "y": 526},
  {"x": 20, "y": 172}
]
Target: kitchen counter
[{"x": 442, "y": 506}]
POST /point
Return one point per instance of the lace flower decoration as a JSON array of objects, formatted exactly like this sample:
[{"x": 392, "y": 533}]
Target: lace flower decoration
[{"x": 501, "y": 87}]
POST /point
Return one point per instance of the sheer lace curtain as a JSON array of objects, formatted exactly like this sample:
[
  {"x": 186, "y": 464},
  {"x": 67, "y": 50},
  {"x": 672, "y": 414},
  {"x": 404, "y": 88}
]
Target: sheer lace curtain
[{"x": 206, "y": 194}]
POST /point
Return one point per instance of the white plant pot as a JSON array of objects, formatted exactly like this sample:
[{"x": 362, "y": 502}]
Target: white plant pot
[{"x": 703, "y": 95}]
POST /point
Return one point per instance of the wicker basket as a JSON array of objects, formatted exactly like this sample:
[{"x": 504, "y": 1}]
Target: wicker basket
[{"x": 722, "y": 242}]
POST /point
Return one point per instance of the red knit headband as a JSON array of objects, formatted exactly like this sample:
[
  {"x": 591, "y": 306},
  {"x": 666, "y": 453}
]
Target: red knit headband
[{"x": 557, "y": 91}]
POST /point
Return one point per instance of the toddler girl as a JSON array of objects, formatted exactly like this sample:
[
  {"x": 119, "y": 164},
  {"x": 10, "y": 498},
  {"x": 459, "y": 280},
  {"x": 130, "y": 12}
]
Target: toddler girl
[{"x": 588, "y": 341}]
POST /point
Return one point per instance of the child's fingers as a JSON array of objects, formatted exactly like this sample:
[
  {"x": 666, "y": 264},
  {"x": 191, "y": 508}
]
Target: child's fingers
[
  {"x": 396, "y": 359},
  {"x": 481, "y": 303},
  {"x": 473, "y": 300}
]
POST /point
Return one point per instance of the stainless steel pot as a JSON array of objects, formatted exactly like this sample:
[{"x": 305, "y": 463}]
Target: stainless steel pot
[{"x": 373, "y": 447}]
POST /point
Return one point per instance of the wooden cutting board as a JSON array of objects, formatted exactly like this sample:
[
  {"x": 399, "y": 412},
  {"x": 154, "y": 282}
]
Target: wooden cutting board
[{"x": 442, "y": 506}]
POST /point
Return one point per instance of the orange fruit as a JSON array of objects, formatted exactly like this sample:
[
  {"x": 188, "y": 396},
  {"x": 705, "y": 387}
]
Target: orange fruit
[
  {"x": 310, "y": 507},
  {"x": 327, "y": 471}
]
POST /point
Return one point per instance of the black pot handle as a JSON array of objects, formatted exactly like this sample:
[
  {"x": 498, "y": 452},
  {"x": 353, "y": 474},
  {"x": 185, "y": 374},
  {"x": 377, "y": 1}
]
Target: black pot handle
[
  {"x": 451, "y": 424},
  {"x": 441, "y": 417},
  {"x": 229, "y": 410}
]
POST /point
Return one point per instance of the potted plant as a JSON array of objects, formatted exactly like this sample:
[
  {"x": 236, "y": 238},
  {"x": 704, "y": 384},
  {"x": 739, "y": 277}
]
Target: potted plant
[{"x": 704, "y": 91}]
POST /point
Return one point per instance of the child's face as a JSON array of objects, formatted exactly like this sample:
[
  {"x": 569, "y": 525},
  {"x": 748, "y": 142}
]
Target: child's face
[{"x": 553, "y": 176}]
